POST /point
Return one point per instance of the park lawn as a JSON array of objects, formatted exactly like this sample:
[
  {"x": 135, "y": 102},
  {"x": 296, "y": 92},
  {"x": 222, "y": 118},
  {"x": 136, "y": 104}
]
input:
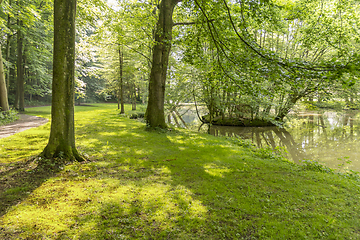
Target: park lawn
[{"x": 141, "y": 184}]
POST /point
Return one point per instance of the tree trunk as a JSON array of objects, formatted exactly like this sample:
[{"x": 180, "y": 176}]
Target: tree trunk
[
  {"x": 283, "y": 111},
  {"x": 121, "y": 59},
  {"x": 4, "y": 104},
  {"x": 118, "y": 99},
  {"x": 134, "y": 97},
  {"x": 163, "y": 35},
  {"x": 8, "y": 46},
  {"x": 20, "y": 70},
  {"x": 17, "y": 95},
  {"x": 62, "y": 136}
]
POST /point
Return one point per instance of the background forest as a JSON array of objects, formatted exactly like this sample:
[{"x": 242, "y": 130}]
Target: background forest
[
  {"x": 131, "y": 180},
  {"x": 236, "y": 57}
]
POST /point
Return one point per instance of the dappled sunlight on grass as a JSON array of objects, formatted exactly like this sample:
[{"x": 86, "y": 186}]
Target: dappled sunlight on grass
[
  {"x": 24, "y": 144},
  {"x": 143, "y": 184},
  {"x": 215, "y": 170},
  {"x": 109, "y": 133},
  {"x": 82, "y": 204}
]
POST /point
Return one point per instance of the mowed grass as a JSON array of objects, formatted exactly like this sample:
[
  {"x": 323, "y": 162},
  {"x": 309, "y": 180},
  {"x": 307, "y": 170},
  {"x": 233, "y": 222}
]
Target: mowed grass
[{"x": 141, "y": 184}]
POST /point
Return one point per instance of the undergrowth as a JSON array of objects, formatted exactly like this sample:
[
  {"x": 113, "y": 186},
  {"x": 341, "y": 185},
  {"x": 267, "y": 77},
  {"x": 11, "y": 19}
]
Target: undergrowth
[{"x": 8, "y": 117}]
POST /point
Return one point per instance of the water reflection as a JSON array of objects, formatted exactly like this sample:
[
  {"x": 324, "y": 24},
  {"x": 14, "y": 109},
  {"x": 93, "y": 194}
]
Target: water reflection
[
  {"x": 186, "y": 116},
  {"x": 331, "y": 138}
]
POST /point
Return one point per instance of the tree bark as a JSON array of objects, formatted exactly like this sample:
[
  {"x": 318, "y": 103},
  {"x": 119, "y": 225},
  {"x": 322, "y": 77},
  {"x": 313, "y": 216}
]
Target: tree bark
[
  {"x": 62, "y": 136},
  {"x": 4, "y": 104},
  {"x": 8, "y": 46},
  {"x": 20, "y": 70},
  {"x": 163, "y": 35}
]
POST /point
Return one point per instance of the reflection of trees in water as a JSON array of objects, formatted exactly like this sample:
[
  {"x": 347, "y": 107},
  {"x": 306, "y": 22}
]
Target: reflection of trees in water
[
  {"x": 183, "y": 116},
  {"x": 323, "y": 137},
  {"x": 327, "y": 137},
  {"x": 325, "y": 127},
  {"x": 263, "y": 136},
  {"x": 291, "y": 145}
]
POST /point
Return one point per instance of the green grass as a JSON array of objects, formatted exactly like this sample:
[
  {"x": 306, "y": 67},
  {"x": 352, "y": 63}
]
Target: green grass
[{"x": 142, "y": 184}]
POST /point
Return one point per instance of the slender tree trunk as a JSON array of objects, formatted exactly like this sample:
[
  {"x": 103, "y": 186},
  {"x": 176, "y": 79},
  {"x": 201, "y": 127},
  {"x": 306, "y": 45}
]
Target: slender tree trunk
[
  {"x": 62, "y": 136},
  {"x": 134, "y": 97},
  {"x": 121, "y": 59},
  {"x": 17, "y": 94},
  {"x": 7, "y": 78},
  {"x": 284, "y": 110},
  {"x": 8, "y": 46},
  {"x": 20, "y": 70},
  {"x": 163, "y": 35},
  {"x": 118, "y": 98},
  {"x": 4, "y": 104},
  {"x": 181, "y": 119}
]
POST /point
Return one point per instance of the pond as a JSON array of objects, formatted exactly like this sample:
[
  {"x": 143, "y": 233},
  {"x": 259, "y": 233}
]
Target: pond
[{"x": 331, "y": 138}]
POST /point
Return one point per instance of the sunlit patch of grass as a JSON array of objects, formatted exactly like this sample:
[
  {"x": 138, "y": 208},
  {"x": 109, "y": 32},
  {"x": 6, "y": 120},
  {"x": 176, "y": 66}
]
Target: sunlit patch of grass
[
  {"x": 216, "y": 170},
  {"x": 24, "y": 144},
  {"x": 82, "y": 205},
  {"x": 143, "y": 184}
]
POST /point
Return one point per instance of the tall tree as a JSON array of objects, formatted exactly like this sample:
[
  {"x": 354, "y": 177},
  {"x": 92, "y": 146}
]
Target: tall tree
[
  {"x": 62, "y": 136},
  {"x": 163, "y": 36},
  {"x": 19, "y": 101},
  {"x": 4, "y": 105},
  {"x": 121, "y": 87}
]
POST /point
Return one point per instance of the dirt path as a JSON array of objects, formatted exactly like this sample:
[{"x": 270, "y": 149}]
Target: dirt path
[{"x": 25, "y": 122}]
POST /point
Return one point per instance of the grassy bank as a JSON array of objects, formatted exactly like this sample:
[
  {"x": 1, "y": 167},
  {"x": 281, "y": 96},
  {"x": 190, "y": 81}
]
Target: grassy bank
[{"x": 143, "y": 184}]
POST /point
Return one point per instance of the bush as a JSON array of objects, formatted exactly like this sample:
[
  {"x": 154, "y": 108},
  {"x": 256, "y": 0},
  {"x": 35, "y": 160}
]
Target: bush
[
  {"x": 36, "y": 103},
  {"x": 316, "y": 166},
  {"x": 8, "y": 117},
  {"x": 137, "y": 115}
]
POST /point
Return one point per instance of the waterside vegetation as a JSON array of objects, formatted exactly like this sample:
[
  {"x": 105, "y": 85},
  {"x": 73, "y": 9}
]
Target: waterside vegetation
[{"x": 160, "y": 184}]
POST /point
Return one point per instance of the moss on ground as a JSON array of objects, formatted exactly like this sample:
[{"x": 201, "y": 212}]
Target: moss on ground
[{"x": 177, "y": 184}]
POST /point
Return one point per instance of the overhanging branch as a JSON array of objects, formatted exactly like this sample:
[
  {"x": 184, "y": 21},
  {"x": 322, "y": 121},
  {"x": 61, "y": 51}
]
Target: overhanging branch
[{"x": 190, "y": 23}]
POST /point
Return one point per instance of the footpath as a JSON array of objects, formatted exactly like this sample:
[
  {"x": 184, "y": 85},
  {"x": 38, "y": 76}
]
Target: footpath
[{"x": 23, "y": 123}]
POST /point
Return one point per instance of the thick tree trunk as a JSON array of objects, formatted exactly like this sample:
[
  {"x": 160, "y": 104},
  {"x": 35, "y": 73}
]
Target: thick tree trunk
[
  {"x": 163, "y": 35},
  {"x": 4, "y": 104},
  {"x": 62, "y": 136},
  {"x": 121, "y": 59}
]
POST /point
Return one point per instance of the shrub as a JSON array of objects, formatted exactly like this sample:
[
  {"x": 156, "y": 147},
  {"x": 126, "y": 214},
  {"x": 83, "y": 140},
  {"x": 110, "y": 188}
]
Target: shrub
[
  {"x": 8, "y": 117},
  {"x": 137, "y": 115}
]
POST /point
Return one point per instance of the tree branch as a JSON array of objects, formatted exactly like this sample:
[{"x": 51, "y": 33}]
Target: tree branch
[
  {"x": 191, "y": 23},
  {"x": 146, "y": 57}
]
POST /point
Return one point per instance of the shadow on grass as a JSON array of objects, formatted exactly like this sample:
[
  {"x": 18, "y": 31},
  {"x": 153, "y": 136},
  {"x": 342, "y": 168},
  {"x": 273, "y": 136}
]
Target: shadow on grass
[
  {"x": 21, "y": 179},
  {"x": 172, "y": 188},
  {"x": 151, "y": 185}
]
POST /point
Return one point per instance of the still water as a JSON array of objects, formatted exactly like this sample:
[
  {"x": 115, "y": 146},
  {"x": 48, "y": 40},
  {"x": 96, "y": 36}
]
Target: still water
[{"x": 331, "y": 138}]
